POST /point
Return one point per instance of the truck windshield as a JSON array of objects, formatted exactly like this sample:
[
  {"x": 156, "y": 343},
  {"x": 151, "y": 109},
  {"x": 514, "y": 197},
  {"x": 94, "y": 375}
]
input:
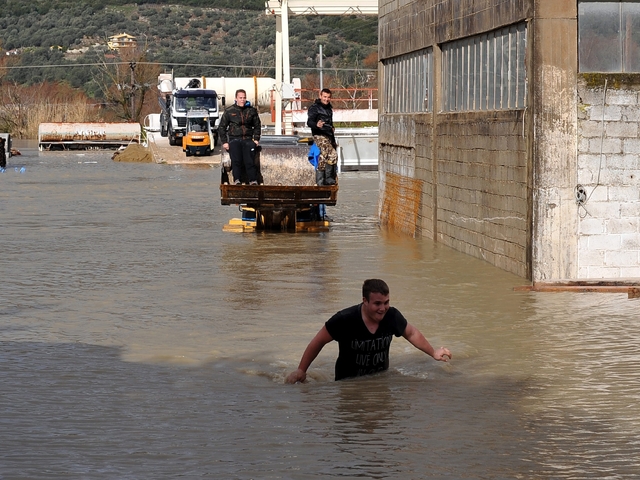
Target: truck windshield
[{"x": 183, "y": 104}]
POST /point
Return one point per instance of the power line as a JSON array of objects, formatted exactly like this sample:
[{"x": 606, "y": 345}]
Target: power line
[{"x": 167, "y": 64}]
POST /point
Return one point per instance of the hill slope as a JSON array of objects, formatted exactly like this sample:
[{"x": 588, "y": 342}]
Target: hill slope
[{"x": 193, "y": 37}]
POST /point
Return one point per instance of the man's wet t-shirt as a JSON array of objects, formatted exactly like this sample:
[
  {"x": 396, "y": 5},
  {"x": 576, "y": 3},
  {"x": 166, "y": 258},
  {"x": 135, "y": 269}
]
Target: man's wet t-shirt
[{"x": 360, "y": 351}]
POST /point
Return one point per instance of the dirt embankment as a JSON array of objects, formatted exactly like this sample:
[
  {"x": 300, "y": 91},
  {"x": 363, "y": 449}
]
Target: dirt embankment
[{"x": 133, "y": 153}]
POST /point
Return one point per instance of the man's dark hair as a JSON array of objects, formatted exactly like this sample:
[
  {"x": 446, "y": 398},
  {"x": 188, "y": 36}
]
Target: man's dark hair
[
  {"x": 325, "y": 90},
  {"x": 241, "y": 90},
  {"x": 374, "y": 285}
]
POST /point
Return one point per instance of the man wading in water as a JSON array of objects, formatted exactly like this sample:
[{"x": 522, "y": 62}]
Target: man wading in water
[{"x": 364, "y": 333}]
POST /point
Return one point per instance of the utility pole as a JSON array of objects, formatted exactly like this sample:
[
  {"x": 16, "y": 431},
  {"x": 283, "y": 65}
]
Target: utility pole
[
  {"x": 321, "y": 83},
  {"x": 132, "y": 66},
  {"x": 281, "y": 9}
]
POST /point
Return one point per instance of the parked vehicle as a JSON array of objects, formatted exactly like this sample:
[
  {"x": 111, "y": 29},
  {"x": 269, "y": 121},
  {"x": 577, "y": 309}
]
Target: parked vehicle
[
  {"x": 199, "y": 139},
  {"x": 178, "y": 101}
]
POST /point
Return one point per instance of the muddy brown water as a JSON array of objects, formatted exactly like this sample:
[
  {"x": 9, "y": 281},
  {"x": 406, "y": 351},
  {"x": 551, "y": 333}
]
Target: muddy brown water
[{"x": 138, "y": 340}]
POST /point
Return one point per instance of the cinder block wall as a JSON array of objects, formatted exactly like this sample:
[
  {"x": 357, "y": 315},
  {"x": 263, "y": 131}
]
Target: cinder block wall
[
  {"x": 427, "y": 215},
  {"x": 401, "y": 191},
  {"x": 483, "y": 187},
  {"x": 502, "y": 185},
  {"x": 471, "y": 167},
  {"x": 406, "y": 174},
  {"x": 609, "y": 171}
]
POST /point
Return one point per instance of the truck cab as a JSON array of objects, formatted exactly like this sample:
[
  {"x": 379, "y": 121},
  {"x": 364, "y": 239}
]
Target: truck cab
[{"x": 178, "y": 102}]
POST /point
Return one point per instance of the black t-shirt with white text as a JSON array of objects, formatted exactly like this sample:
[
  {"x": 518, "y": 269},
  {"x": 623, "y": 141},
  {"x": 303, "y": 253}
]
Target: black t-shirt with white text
[{"x": 360, "y": 351}]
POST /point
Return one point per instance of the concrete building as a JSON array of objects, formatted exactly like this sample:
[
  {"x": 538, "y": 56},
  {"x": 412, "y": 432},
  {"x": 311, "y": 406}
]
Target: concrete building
[
  {"x": 122, "y": 40},
  {"x": 509, "y": 131}
]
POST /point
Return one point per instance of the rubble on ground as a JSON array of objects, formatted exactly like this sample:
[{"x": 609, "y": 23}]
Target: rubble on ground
[
  {"x": 285, "y": 169},
  {"x": 135, "y": 152}
]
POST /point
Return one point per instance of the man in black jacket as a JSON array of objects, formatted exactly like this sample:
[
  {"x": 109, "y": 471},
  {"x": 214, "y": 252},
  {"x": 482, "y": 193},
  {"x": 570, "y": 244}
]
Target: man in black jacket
[
  {"x": 239, "y": 132},
  {"x": 320, "y": 120}
]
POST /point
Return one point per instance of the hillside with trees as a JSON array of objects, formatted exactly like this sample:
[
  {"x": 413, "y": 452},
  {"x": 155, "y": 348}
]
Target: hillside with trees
[{"x": 61, "y": 41}]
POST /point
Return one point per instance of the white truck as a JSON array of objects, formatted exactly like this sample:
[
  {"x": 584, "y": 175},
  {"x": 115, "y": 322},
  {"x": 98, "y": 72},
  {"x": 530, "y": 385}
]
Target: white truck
[
  {"x": 179, "y": 94},
  {"x": 178, "y": 101}
]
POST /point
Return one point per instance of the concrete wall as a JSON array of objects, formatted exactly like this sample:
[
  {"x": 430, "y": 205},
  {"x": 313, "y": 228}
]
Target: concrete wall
[
  {"x": 400, "y": 189},
  {"x": 502, "y": 185},
  {"x": 552, "y": 73},
  {"x": 609, "y": 171},
  {"x": 406, "y": 174},
  {"x": 409, "y": 25},
  {"x": 471, "y": 169},
  {"x": 483, "y": 187}
]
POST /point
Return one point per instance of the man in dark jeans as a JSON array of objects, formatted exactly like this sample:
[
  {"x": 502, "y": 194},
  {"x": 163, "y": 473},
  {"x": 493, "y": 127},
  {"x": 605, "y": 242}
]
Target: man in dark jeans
[{"x": 239, "y": 133}]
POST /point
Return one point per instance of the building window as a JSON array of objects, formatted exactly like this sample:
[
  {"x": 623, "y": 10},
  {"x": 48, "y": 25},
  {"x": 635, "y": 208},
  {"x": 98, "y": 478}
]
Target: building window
[
  {"x": 485, "y": 72},
  {"x": 408, "y": 82},
  {"x": 608, "y": 36}
]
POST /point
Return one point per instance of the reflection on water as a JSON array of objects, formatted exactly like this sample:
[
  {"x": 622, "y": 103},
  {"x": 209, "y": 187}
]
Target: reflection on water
[{"x": 137, "y": 340}]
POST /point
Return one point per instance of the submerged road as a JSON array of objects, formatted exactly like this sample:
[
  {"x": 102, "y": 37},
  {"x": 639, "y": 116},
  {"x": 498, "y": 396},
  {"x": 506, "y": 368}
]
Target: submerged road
[
  {"x": 138, "y": 339},
  {"x": 164, "y": 153}
]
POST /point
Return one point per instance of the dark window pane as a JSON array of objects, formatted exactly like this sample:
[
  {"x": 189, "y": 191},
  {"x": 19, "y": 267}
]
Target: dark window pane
[
  {"x": 631, "y": 36},
  {"x": 599, "y": 39}
]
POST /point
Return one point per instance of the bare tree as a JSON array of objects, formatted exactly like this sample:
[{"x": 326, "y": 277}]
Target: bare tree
[
  {"x": 357, "y": 85},
  {"x": 126, "y": 80},
  {"x": 12, "y": 110}
]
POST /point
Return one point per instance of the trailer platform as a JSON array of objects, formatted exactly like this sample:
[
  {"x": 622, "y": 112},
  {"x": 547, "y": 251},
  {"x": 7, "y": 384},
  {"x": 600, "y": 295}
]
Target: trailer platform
[
  {"x": 275, "y": 207},
  {"x": 276, "y": 197}
]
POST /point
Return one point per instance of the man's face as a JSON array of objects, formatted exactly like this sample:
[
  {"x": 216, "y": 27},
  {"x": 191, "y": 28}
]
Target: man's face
[
  {"x": 376, "y": 307},
  {"x": 241, "y": 99},
  {"x": 325, "y": 98}
]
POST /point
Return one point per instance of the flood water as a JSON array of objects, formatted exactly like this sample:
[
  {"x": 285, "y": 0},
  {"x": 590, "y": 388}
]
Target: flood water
[{"x": 140, "y": 341}]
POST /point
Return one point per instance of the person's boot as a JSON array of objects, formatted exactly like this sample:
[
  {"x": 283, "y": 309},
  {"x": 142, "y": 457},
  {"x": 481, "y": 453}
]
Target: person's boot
[
  {"x": 319, "y": 177},
  {"x": 330, "y": 174}
]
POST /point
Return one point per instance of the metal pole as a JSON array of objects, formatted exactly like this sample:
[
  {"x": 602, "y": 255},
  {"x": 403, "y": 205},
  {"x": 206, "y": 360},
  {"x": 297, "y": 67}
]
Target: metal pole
[
  {"x": 278, "y": 86},
  {"x": 132, "y": 65},
  {"x": 286, "y": 67},
  {"x": 321, "y": 83}
]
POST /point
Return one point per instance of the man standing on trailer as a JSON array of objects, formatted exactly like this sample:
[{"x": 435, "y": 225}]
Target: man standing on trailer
[
  {"x": 239, "y": 132},
  {"x": 320, "y": 120}
]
